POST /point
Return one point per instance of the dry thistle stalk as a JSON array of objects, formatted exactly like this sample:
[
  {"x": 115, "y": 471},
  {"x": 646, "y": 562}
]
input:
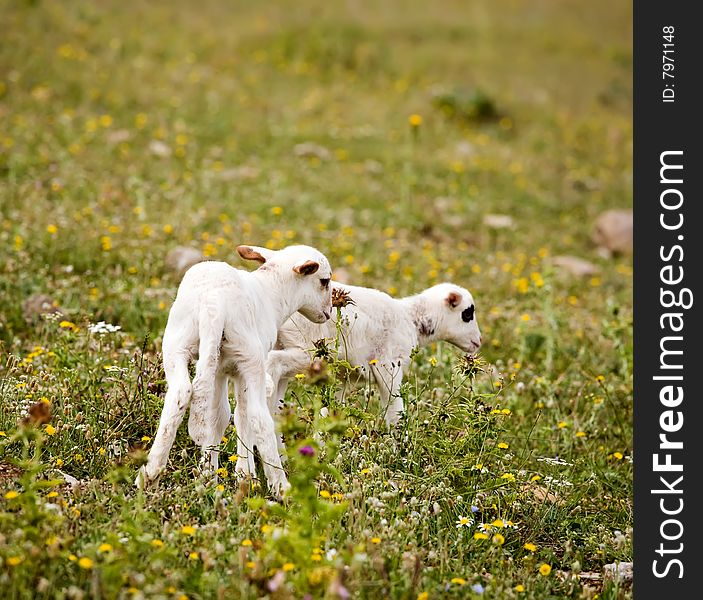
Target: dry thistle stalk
[{"x": 341, "y": 298}]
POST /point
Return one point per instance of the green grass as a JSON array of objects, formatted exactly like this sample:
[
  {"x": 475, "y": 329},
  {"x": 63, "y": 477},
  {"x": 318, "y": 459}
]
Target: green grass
[{"x": 129, "y": 128}]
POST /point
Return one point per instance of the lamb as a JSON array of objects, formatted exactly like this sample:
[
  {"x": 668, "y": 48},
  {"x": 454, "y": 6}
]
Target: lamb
[
  {"x": 380, "y": 332},
  {"x": 228, "y": 319}
]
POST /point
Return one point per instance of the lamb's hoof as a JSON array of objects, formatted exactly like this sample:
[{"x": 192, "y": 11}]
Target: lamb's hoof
[
  {"x": 279, "y": 487},
  {"x": 145, "y": 477},
  {"x": 207, "y": 476},
  {"x": 393, "y": 419},
  {"x": 242, "y": 470}
]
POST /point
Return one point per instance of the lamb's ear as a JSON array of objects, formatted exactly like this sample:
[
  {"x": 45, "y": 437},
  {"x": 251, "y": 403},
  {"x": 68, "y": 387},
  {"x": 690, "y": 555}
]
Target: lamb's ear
[
  {"x": 453, "y": 299},
  {"x": 307, "y": 268},
  {"x": 254, "y": 253}
]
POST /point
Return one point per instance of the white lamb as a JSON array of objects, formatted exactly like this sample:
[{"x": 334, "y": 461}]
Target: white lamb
[
  {"x": 378, "y": 332},
  {"x": 228, "y": 319}
]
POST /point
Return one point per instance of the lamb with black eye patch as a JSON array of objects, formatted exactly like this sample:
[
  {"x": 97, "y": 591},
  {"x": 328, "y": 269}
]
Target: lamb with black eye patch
[
  {"x": 379, "y": 334},
  {"x": 467, "y": 314}
]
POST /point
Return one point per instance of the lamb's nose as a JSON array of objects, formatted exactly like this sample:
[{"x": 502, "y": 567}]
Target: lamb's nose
[{"x": 327, "y": 314}]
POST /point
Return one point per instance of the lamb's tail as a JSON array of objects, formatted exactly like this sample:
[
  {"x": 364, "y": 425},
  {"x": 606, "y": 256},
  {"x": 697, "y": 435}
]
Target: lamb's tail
[{"x": 211, "y": 323}]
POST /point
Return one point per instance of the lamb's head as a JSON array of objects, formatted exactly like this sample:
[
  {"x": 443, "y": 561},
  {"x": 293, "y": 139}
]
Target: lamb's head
[
  {"x": 304, "y": 271},
  {"x": 452, "y": 310}
]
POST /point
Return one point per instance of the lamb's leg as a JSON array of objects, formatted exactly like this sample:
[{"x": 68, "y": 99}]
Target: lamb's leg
[
  {"x": 219, "y": 417},
  {"x": 281, "y": 366},
  {"x": 178, "y": 396},
  {"x": 388, "y": 380},
  {"x": 245, "y": 450},
  {"x": 260, "y": 426},
  {"x": 211, "y": 321}
]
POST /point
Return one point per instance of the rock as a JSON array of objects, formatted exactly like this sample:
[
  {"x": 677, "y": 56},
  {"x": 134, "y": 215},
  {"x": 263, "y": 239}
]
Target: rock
[
  {"x": 590, "y": 576},
  {"x": 575, "y": 266},
  {"x": 182, "y": 258},
  {"x": 311, "y": 150},
  {"x": 240, "y": 173},
  {"x": 464, "y": 149},
  {"x": 621, "y": 572},
  {"x": 373, "y": 167},
  {"x": 40, "y": 304},
  {"x": 499, "y": 221},
  {"x": 158, "y": 148},
  {"x": 118, "y": 136},
  {"x": 613, "y": 230},
  {"x": 71, "y": 481}
]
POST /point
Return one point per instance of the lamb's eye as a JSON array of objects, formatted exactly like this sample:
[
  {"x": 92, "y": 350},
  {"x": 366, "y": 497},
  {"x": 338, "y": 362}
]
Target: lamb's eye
[
  {"x": 467, "y": 314},
  {"x": 325, "y": 283}
]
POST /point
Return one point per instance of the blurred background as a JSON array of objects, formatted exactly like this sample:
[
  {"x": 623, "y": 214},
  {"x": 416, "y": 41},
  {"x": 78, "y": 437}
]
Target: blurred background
[{"x": 412, "y": 144}]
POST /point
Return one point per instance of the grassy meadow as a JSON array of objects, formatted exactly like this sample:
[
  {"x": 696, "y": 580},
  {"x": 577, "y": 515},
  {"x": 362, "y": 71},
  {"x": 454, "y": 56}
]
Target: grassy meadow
[{"x": 389, "y": 135}]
